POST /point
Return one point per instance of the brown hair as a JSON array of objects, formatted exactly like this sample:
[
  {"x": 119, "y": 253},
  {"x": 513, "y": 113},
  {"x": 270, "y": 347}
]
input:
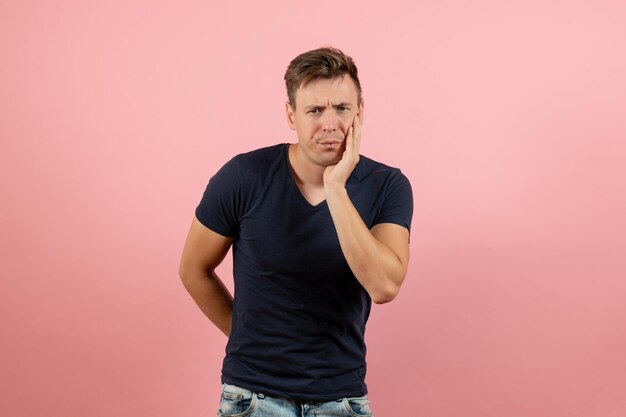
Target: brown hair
[{"x": 324, "y": 63}]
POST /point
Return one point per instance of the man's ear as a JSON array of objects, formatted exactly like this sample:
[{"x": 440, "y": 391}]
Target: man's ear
[{"x": 289, "y": 112}]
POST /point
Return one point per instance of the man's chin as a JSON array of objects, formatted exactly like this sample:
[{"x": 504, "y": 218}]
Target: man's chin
[
  {"x": 328, "y": 160},
  {"x": 332, "y": 157}
]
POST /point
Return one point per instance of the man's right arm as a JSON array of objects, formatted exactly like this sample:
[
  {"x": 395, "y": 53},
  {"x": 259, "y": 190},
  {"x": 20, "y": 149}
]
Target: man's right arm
[{"x": 204, "y": 251}]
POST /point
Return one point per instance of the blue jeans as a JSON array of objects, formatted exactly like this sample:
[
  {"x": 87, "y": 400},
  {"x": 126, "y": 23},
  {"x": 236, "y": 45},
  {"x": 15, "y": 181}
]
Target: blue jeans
[{"x": 240, "y": 402}]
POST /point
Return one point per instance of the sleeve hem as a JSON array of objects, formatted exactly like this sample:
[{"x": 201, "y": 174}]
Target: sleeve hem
[{"x": 213, "y": 227}]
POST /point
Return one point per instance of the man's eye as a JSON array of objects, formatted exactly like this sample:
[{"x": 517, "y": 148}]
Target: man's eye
[
  {"x": 344, "y": 109},
  {"x": 314, "y": 111}
]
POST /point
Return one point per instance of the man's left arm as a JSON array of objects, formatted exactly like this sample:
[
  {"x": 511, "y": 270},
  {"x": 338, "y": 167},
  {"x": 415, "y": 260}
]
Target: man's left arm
[{"x": 378, "y": 257}]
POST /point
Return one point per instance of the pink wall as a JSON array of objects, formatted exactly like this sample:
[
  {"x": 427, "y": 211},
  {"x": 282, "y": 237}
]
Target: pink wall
[{"x": 507, "y": 116}]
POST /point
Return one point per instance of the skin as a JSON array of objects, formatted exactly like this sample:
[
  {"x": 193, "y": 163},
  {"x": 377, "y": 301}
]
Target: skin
[{"x": 328, "y": 122}]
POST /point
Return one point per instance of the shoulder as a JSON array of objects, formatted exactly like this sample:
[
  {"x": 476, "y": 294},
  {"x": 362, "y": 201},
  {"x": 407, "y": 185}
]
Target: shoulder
[
  {"x": 253, "y": 160},
  {"x": 369, "y": 170},
  {"x": 261, "y": 155},
  {"x": 258, "y": 160},
  {"x": 392, "y": 190}
]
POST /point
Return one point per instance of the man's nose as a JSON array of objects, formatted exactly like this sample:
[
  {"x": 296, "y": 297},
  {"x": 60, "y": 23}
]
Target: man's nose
[{"x": 330, "y": 121}]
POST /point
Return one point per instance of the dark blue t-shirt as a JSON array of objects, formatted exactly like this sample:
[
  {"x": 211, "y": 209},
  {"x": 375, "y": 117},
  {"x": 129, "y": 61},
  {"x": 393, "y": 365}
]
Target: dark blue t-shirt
[{"x": 299, "y": 312}]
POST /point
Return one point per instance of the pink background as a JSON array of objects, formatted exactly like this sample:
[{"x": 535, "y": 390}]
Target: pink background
[{"x": 507, "y": 116}]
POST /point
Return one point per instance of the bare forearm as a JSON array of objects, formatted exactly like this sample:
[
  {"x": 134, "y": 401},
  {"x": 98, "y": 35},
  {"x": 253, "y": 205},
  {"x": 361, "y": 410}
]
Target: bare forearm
[
  {"x": 376, "y": 267},
  {"x": 213, "y": 298}
]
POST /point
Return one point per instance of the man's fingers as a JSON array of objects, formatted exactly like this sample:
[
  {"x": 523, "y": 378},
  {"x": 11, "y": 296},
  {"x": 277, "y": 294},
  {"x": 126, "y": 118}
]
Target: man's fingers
[
  {"x": 350, "y": 139},
  {"x": 356, "y": 133}
]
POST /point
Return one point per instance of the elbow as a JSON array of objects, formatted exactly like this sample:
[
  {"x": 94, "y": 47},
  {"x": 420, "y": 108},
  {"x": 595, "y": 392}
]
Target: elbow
[
  {"x": 384, "y": 288},
  {"x": 183, "y": 273},
  {"x": 385, "y": 295},
  {"x": 185, "y": 278},
  {"x": 384, "y": 285},
  {"x": 189, "y": 275}
]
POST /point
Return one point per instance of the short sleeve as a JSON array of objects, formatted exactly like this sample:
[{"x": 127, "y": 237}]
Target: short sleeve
[
  {"x": 397, "y": 206},
  {"x": 219, "y": 207}
]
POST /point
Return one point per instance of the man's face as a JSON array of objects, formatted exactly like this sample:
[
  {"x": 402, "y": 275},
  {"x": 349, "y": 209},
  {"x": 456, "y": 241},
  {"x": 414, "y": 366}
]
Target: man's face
[{"x": 325, "y": 109}]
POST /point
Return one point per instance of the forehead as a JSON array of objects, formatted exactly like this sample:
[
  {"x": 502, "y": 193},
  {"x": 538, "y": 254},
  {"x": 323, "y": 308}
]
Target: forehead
[{"x": 321, "y": 90}]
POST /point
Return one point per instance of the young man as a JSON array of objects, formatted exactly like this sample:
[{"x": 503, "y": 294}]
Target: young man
[{"x": 318, "y": 233}]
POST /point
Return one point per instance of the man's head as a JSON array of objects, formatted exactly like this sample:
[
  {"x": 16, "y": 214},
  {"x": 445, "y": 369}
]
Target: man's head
[
  {"x": 324, "y": 96},
  {"x": 326, "y": 63}
]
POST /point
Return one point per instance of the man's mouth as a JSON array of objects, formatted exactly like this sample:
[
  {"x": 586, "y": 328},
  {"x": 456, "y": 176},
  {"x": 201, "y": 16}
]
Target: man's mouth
[{"x": 330, "y": 144}]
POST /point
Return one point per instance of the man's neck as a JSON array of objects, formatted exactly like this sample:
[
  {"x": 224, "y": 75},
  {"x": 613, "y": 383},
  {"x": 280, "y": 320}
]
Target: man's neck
[{"x": 305, "y": 171}]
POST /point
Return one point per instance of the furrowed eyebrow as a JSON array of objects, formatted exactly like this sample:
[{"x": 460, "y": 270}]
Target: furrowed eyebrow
[{"x": 315, "y": 106}]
